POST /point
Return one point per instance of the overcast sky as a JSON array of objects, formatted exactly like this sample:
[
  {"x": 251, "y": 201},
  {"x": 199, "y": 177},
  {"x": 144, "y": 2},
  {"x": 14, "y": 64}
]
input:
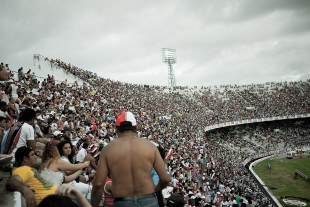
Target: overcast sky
[{"x": 216, "y": 41}]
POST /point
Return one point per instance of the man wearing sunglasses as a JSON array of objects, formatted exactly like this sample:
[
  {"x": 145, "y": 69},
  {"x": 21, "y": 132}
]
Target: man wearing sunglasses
[{"x": 27, "y": 180}]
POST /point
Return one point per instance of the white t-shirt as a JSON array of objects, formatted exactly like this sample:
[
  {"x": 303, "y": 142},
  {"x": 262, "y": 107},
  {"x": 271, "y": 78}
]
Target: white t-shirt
[
  {"x": 224, "y": 204},
  {"x": 174, "y": 181},
  {"x": 14, "y": 91},
  {"x": 66, "y": 124},
  {"x": 27, "y": 133},
  {"x": 81, "y": 155}
]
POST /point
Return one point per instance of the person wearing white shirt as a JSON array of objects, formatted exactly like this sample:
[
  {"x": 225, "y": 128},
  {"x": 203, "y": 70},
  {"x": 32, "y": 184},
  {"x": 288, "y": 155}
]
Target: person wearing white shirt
[
  {"x": 26, "y": 137},
  {"x": 174, "y": 181},
  {"x": 82, "y": 153}
]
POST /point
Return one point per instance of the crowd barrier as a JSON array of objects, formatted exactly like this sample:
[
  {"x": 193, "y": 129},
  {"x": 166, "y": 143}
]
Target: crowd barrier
[{"x": 261, "y": 183}]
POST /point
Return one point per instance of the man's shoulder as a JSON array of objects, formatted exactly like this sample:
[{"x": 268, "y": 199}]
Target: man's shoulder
[
  {"x": 26, "y": 125},
  {"x": 120, "y": 142},
  {"x": 22, "y": 167},
  {"x": 21, "y": 170},
  {"x": 145, "y": 144},
  {"x": 135, "y": 139}
]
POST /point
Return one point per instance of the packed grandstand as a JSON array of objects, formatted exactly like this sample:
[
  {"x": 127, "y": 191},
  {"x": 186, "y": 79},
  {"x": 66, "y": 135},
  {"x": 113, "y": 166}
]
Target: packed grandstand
[{"x": 208, "y": 132}]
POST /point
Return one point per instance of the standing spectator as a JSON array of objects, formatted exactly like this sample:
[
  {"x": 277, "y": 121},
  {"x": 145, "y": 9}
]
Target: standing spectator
[
  {"x": 13, "y": 90},
  {"x": 132, "y": 181},
  {"x": 20, "y": 74}
]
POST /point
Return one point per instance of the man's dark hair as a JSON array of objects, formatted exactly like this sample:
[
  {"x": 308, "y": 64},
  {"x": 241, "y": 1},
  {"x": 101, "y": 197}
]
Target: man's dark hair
[
  {"x": 126, "y": 126},
  {"x": 175, "y": 200},
  {"x": 85, "y": 145},
  {"x": 20, "y": 154},
  {"x": 2, "y": 104},
  {"x": 28, "y": 114},
  {"x": 65, "y": 137},
  {"x": 64, "y": 130},
  {"x": 56, "y": 201},
  {"x": 26, "y": 102}
]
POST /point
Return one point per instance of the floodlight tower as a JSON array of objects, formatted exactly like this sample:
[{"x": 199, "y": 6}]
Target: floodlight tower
[{"x": 169, "y": 57}]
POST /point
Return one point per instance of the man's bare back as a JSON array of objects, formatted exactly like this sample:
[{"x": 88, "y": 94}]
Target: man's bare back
[{"x": 129, "y": 160}]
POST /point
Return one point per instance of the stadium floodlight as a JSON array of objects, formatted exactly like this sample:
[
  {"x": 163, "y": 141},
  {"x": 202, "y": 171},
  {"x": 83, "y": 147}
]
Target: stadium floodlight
[{"x": 169, "y": 57}]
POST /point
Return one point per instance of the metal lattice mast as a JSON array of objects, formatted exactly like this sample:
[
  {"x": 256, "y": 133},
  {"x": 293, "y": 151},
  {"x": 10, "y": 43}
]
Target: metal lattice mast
[
  {"x": 169, "y": 57},
  {"x": 171, "y": 78}
]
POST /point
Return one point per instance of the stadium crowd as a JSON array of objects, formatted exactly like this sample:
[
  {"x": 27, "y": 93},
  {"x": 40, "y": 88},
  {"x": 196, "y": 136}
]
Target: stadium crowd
[{"x": 205, "y": 169}]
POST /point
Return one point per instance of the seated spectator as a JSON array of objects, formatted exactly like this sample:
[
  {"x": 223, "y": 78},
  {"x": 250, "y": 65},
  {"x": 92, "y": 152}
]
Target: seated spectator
[
  {"x": 48, "y": 129},
  {"x": 66, "y": 152},
  {"x": 12, "y": 110},
  {"x": 91, "y": 156},
  {"x": 4, "y": 110},
  {"x": 27, "y": 180},
  {"x": 82, "y": 152},
  {"x": 53, "y": 168},
  {"x": 20, "y": 134}
]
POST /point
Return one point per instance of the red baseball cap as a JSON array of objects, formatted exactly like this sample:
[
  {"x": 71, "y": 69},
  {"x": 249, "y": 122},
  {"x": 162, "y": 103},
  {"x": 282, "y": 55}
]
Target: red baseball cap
[{"x": 126, "y": 116}]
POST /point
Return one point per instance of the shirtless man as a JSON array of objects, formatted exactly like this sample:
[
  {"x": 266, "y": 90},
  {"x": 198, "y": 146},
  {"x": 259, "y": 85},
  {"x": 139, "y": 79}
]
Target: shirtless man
[
  {"x": 91, "y": 157},
  {"x": 129, "y": 160}
]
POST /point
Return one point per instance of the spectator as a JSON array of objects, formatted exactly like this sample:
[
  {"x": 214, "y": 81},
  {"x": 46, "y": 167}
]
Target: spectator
[
  {"x": 82, "y": 153},
  {"x": 126, "y": 169},
  {"x": 91, "y": 157},
  {"x": 12, "y": 110},
  {"x": 26, "y": 179},
  {"x": 53, "y": 168},
  {"x": 66, "y": 152},
  {"x": 20, "y": 134},
  {"x": 175, "y": 200},
  {"x": 3, "y": 73},
  {"x": 107, "y": 197}
]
